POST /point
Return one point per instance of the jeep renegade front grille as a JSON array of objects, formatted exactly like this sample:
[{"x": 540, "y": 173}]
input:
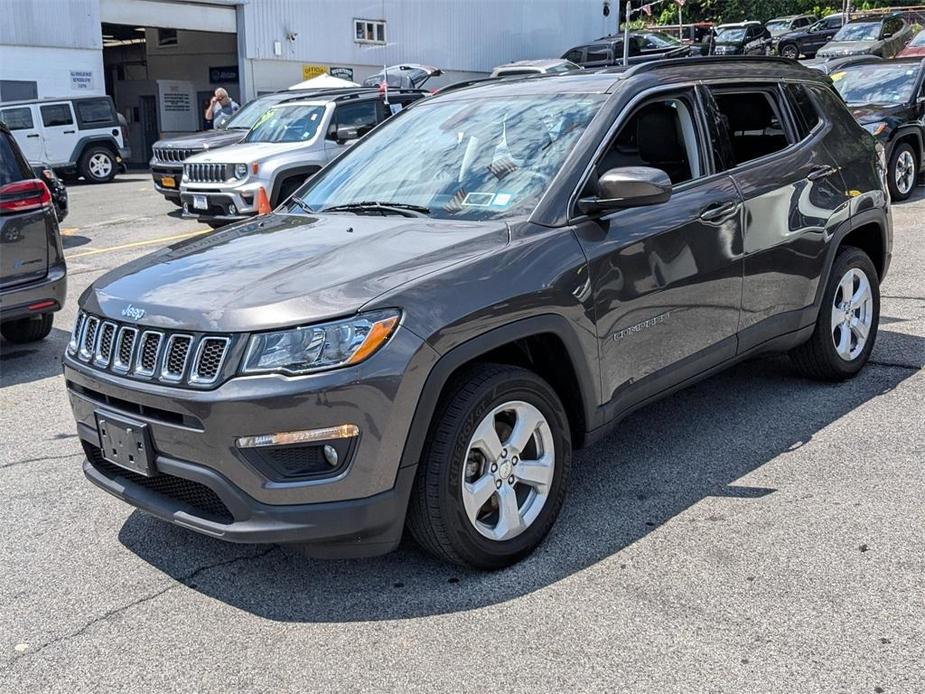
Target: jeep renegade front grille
[
  {"x": 205, "y": 173},
  {"x": 174, "y": 156},
  {"x": 166, "y": 356}
]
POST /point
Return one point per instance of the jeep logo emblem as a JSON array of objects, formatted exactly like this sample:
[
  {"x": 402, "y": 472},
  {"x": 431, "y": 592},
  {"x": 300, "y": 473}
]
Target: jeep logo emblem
[{"x": 133, "y": 312}]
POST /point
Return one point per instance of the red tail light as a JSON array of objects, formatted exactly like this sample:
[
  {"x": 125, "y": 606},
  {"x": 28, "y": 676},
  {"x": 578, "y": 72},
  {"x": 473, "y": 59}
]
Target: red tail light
[{"x": 23, "y": 196}]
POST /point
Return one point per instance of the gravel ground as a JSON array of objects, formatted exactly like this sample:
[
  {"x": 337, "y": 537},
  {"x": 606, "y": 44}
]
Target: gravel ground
[{"x": 757, "y": 532}]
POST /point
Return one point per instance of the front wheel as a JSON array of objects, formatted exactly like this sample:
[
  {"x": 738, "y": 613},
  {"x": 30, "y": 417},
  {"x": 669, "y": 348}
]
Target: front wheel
[
  {"x": 493, "y": 473},
  {"x": 31, "y": 329},
  {"x": 789, "y": 50},
  {"x": 846, "y": 327},
  {"x": 903, "y": 172},
  {"x": 98, "y": 165}
]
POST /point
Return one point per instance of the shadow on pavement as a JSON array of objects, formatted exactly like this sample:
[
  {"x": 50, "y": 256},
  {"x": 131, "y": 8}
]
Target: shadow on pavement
[
  {"x": 33, "y": 361},
  {"x": 659, "y": 462}
]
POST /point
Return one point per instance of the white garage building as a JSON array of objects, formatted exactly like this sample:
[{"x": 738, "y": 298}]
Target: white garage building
[{"x": 161, "y": 59}]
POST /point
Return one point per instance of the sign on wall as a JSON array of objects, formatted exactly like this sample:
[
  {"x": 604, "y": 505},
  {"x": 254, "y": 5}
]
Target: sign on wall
[
  {"x": 344, "y": 73},
  {"x": 81, "y": 80},
  {"x": 310, "y": 71},
  {"x": 177, "y": 105},
  {"x": 221, "y": 75}
]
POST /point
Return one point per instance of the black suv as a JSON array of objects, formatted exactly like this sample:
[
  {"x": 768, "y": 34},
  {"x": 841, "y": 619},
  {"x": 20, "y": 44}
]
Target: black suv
[
  {"x": 643, "y": 47},
  {"x": 807, "y": 41},
  {"x": 33, "y": 276},
  {"x": 496, "y": 276},
  {"x": 888, "y": 99}
]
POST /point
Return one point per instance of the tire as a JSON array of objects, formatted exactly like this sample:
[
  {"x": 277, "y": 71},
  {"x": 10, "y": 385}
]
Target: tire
[
  {"x": 98, "y": 164},
  {"x": 819, "y": 357},
  {"x": 789, "y": 50},
  {"x": 903, "y": 171},
  {"x": 437, "y": 515},
  {"x": 31, "y": 329}
]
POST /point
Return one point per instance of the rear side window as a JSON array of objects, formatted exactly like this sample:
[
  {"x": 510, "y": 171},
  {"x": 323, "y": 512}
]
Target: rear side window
[
  {"x": 807, "y": 116},
  {"x": 56, "y": 114},
  {"x": 17, "y": 118},
  {"x": 574, "y": 55},
  {"x": 359, "y": 114},
  {"x": 11, "y": 165},
  {"x": 95, "y": 113},
  {"x": 753, "y": 122},
  {"x": 599, "y": 53}
]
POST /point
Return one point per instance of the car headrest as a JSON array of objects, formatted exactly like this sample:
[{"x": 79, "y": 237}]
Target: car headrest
[{"x": 657, "y": 134}]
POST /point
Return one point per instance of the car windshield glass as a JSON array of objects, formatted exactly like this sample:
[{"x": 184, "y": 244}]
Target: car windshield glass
[
  {"x": 919, "y": 40},
  {"x": 732, "y": 35},
  {"x": 876, "y": 84},
  {"x": 657, "y": 39},
  {"x": 287, "y": 124},
  {"x": 482, "y": 158},
  {"x": 862, "y": 31},
  {"x": 245, "y": 118},
  {"x": 777, "y": 27}
]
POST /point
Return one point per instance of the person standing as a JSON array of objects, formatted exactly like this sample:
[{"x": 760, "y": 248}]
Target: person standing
[{"x": 220, "y": 105}]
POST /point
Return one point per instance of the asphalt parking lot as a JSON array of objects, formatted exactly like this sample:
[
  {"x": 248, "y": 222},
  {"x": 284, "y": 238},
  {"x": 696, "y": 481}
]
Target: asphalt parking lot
[{"x": 756, "y": 533}]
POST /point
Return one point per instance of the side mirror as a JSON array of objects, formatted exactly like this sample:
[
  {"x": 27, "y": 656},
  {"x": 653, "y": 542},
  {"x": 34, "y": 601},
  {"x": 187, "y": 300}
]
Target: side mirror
[
  {"x": 344, "y": 134},
  {"x": 628, "y": 186}
]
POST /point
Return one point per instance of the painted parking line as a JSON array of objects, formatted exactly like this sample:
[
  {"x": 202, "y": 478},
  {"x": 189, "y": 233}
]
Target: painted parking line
[
  {"x": 69, "y": 231},
  {"x": 135, "y": 244}
]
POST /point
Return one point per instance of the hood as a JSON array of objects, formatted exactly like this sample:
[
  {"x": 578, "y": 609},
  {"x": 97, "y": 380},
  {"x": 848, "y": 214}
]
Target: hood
[
  {"x": 208, "y": 139},
  {"x": 246, "y": 152},
  {"x": 836, "y": 48},
  {"x": 874, "y": 113},
  {"x": 283, "y": 270}
]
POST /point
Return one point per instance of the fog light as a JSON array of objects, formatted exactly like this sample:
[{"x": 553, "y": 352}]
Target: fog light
[
  {"x": 330, "y": 455},
  {"x": 344, "y": 431}
]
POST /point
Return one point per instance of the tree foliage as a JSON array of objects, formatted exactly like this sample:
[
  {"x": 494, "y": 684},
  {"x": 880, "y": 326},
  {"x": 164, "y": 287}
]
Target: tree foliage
[{"x": 762, "y": 10}]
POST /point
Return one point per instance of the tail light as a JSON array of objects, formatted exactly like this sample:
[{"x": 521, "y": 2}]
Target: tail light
[{"x": 23, "y": 196}]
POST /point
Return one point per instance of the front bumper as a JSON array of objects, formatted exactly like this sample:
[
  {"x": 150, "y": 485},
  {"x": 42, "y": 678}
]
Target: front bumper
[
  {"x": 15, "y": 301},
  {"x": 220, "y": 202},
  {"x": 158, "y": 172}
]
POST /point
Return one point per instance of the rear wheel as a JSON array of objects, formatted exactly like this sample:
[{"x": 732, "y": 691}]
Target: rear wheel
[
  {"x": 848, "y": 319},
  {"x": 903, "y": 171},
  {"x": 789, "y": 50},
  {"x": 29, "y": 329},
  {"x": 98, "y": 165},
  {"x": 493, "y": 474}
]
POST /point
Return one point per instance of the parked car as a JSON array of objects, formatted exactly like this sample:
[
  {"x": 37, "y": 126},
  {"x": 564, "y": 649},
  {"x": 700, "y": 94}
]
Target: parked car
[
  {"x": 783, "y": 25},
  {"x": 426, "y": 331},
  {"x": 170, "y": 153},
  {"x": 288, "y": 144},
  {"x": 696, "y": 35},
  {"x": 807, "y": 41},
  {"x": 33, "y": 274},
  {"x": 883, "y": 36},
  {"x": 56, "y": 187},
  {"x": 915, "y": 48},
  {"x": 835, "y": 64},
  {"x": 405, "y": 76},
  {"x": 888, "y": 100},
  {"x": 77, "y": 137},
  {"x": 743, "y": 38},
  {"x": 553, "y": 66},
  {"x": 643, "y": 47}
]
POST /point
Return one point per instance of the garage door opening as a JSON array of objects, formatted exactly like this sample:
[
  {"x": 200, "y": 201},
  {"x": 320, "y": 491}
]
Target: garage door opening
[{"x": 162, "y": 78}]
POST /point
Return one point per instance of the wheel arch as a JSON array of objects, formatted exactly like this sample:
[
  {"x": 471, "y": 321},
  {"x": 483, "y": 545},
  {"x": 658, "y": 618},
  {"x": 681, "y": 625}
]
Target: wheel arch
[
  {"x": 90, "y": 141},
  {"x": 545, "y": 344},
  {"x": 913, "y": 136},
  {"x": 286, "y": 175}
]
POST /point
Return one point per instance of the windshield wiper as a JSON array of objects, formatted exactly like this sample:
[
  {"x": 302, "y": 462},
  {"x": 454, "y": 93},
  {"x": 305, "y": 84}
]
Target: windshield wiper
[
  {"x": 301, "y": 203},
  {"x": 400, "y": 208}
]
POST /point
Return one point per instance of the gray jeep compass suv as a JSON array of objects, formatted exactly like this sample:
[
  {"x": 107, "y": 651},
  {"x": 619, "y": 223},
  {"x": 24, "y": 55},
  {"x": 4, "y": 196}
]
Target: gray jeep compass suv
[{"x": 425, "y": 331}]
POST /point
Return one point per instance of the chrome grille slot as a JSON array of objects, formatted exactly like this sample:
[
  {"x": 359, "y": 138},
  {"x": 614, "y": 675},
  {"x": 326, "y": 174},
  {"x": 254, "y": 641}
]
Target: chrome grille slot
[
  {"x": 148, "y": 351},
  {"x": 74, "y": 342},
  {"x": 88, "y": 338},
  {"x": 173, "y": 156},
  {"x": 104, "y": 344},
  {"x": 125, "y": 348},
  {"x": 205, "y": 173},
  {"x": 209, "y": 359},
  {"x": 176, "y": 355}
]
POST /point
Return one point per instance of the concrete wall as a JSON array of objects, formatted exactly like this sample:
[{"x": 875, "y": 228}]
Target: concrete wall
[{"x": 52, "y": 69}]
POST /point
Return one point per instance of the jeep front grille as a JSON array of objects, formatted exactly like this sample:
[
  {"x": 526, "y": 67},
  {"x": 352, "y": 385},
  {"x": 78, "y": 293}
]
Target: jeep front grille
[
  {"x": 169, "y": 357},
  {"x": 205, "y": 173},
  {"x": 173, "y": 156}
]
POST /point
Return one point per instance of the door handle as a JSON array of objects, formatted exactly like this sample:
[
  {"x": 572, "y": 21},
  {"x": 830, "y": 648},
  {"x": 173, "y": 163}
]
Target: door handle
[
  {"x": 33, "y": 135},
  {"x": 821, "y": 172},
  {"x": 719, "y": 211},
  {"x": 69, "y": 132}
]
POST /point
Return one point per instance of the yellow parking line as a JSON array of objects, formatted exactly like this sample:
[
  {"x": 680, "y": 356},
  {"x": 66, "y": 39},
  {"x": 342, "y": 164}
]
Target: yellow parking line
[
  {"x": 69, "y": 231},
  {"x": 149, "y": 242}
]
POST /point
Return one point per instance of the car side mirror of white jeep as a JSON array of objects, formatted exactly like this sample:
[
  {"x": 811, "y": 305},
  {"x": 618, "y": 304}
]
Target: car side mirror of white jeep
[{"x": 344, "y": 134}]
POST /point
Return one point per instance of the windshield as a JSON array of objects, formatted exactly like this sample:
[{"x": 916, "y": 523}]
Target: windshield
[
  {"x": 657, "y": 39},
  {"x": 876, "y": 84},
  {"x": 287, "y": 124},
  {"x": 483, "y": 158},
  {"x": 777, "y": 27},
  {"x": 731, "y": 35},
  {"x": 861, "y": 31},
  {"x": 919, "y": 40},
  {"x": 245, "y": 118}
]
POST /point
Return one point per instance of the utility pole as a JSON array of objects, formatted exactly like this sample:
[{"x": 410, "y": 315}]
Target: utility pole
[{"x": 626, "y": 34}]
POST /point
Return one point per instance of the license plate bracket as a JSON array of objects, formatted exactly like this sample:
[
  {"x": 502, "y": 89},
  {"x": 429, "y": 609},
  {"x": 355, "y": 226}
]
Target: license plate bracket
[
  {"x": 126, "y": 443},
  {"x": 168, "y": 182},
  {"x": 200, "y": 202}
]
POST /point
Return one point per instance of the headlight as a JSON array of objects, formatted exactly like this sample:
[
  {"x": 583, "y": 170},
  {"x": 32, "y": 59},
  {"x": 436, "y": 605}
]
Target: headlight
[
  {"x": 240, "y": 170},
  {"x": 312, "y": 348},
  {"x": 875, "y": 128}
]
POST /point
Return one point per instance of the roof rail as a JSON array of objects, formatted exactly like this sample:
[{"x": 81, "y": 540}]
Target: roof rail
[{"x": 701, "y": 60}]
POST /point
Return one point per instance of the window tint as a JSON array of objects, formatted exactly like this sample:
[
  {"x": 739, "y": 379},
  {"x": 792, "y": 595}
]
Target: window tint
[
  {"x": 359, "y": 114},
  {"x": 599, "y": 53},
  {"x": 56, "y": 114},
  {"x": 11, "y": 166},
  {"x": 17, "y": 118},
  {"x": 94, "y": 113},
  {"x": 574, "y": 55},
  {"x": 660, "y": 134},
  {"x": 753, "y": 122},
  {"x": 833, "y": 22},
  {"x": 803, "y": 107}
]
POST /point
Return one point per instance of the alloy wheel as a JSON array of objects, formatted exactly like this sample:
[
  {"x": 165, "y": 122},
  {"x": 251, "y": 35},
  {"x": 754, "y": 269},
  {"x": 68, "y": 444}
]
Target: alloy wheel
[
  {"x": 100, "y": 165},
  {"x": 904, "y": 173},
  {"x": 509, "y": 470},
  {"x": 852, "y": 314}
]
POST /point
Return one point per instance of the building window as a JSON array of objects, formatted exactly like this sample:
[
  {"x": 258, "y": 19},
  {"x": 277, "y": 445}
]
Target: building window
[
  {"x": 18, "y": 90},
  {"x": 369, "y": 30},
  {"x": 166, "y": 37}
]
